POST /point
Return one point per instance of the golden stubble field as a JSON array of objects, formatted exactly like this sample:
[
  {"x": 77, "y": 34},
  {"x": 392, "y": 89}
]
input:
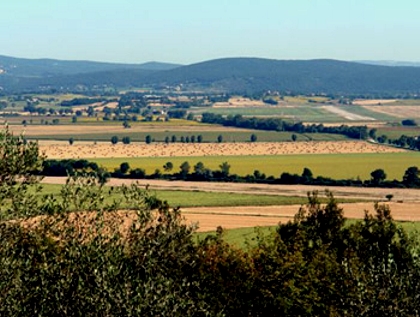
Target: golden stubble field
[{"x": 61, "y": 150}]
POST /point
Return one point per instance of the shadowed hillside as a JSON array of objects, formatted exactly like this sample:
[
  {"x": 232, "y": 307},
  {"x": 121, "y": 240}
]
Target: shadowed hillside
[{"x": 240, "y": 75}]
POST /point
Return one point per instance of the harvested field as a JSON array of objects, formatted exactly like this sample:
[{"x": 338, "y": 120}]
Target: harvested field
[
  {"x": 373, "y": 101},
  {"x": 61, "y": 150},
  {"x": 239, "y": 102},
  {"x": 402, "y": 112},
  {"x": 249, "y": 216},
  {"x": 208, "y": 219}
]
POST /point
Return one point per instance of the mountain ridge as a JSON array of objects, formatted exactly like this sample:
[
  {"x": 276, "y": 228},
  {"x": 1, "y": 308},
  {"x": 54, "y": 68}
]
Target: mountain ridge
[{"x": 234, "y": 74}]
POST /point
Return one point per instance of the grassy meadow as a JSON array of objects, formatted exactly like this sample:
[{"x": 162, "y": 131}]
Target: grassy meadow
[
  {"x": 184, "y": 199},
  {"x": 337, "y": 166}
]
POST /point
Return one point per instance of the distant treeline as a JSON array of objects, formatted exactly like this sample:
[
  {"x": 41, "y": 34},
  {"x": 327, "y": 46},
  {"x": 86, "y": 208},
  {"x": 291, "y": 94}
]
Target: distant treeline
[
  {"x": 404, "y": 141},
  {"x": 198, "y": 172},
  {"x": 277, "y": 124},
  {"x": 81, "y": 101}
]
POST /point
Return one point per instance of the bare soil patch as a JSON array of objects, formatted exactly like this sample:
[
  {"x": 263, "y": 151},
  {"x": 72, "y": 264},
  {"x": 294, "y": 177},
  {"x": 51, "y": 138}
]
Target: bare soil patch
[
  {"x": 61, "y": 150},
  {"x": 397, "y": 111},
  {"x": 347, "y": 115},
  {"x": 254, "y": 216},
  {"x": 239, "y": 102},
  {"x": 373, "y": 101}
]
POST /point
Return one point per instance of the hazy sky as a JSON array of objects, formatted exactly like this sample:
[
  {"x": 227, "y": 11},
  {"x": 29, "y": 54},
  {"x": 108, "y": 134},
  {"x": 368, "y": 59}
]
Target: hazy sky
[{"x": 186, "y": 31}]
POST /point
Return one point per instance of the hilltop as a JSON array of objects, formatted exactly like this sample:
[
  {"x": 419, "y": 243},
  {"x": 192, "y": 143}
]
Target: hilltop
[{"x": 232, "y": 75}]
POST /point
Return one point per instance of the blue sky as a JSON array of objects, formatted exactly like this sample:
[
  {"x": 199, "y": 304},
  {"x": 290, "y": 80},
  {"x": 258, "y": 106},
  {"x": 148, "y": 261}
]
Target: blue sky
[{"x": 192, "y": 31}]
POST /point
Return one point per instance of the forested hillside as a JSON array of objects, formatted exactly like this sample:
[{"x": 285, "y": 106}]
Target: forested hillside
[{"x": 233, "y": 75}]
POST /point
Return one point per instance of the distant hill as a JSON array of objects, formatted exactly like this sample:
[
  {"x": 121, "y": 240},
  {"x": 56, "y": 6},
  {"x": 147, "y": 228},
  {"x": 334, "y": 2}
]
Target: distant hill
[
  {"x": 41, "y": 68},
  {"x": 391, "y": 63},
  {"x": 300, "y": 76},
  {"x": 242, "y": 75}
]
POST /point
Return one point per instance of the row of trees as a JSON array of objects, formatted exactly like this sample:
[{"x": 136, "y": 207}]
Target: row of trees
[
  {"x": 199, "y": 172},
  {"x": 92, "y": 264},
  {"x": 404, "y": 141},
  {"x": 277, "y": 124}
]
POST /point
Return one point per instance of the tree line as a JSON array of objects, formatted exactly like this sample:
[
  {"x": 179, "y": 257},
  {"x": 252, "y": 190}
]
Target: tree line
[
  {"x": 277, "y": 124},
  {"x": 199, "y": 172}
]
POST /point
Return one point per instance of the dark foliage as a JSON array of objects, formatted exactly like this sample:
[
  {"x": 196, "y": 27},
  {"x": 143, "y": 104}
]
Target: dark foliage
[{"x": 277, "y": 124}]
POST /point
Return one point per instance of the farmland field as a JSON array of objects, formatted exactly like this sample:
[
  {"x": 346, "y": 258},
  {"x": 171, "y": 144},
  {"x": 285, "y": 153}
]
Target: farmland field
[
  {"x": 235, "y": 215},
  {"x": 307, "y": 113},
  {"x": 349, "y": 159},
  {"x": 337, "y": 166},
  {"x": 397, "y": 131},
  {"x": 239, "y": 135},
  {"x": 199, "y": 198}
]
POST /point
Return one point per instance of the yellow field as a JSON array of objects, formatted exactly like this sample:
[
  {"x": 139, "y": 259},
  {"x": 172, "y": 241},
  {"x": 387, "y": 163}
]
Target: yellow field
[{"x": 59, "y": 150}]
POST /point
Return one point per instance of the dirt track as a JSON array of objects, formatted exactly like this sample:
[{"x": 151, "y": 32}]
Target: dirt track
[{"x": 250, "y": 216}]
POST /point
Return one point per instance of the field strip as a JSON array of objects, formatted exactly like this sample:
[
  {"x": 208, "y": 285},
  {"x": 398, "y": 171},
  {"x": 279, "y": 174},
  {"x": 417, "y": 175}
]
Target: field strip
[
  {"x": 368, "y": 194},
  {"x": 253, "y": 216},
  {"x": 373, "y": 101},
  {"x": 62, "y": 150},
  {"x": 347, "y": 115},
  {"x": 80, "y": 129}
]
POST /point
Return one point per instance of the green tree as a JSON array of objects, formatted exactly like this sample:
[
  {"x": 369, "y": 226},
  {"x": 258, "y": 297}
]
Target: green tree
[
  {"x": 199, "y": 168},
  {"x": 224, "y": 169},
  {"x": 220, "y": 138},
  {"x": 168, "y": 166},
  {"x": 114, "y": 139},
  {"x": 148, "y": 139},
  {"x": 294, "y": 137},
  {"x": 20, "y": 161},
  {"x": 126, "y": 140},
  {"x": 378, "y": 176},
  {"x": 124, "y": 167},
  {"x": 307, "y": 175},
  {"x": 411, "y": 177},
  {"x": 90, "y": 111},
  {"x": 253, "y": 138},
  {"x": 126, "y": 125},
  {"x": 185, "y": 169},
  {"x": 372, "y": 133},
  {"x": 199, "y": 138},
  {"x": 71, "y": 141}
]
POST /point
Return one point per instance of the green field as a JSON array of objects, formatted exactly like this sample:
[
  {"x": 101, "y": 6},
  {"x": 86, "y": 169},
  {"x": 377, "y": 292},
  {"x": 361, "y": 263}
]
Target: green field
[
  {"x": 243, "y": 237},
  {"x": 208, "y": 136},
  {"x": 397, "y": 131},
  {"x": 184, "y": 199},
  {"x": 337, "y": 166}
]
